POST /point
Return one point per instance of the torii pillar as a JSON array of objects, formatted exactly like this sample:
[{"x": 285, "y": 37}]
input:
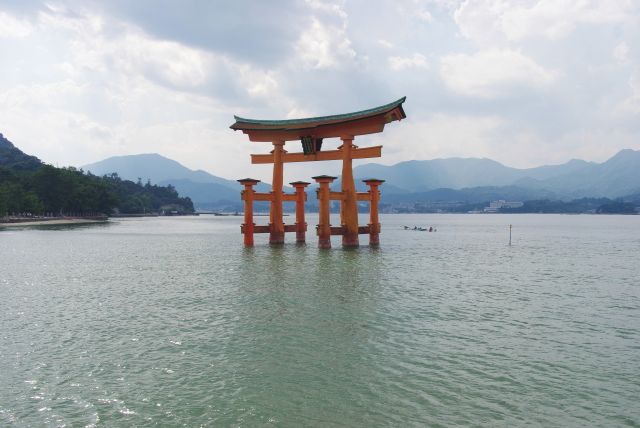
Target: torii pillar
[
  {"x": 374, "y": 223},
  {"x": 276, "y": 235},
  {"x": 248, "y": 195},
  {"x": 349, "y": 203},
  {"x": 301, "y": 197},
  {"x": 324, "y": 215}
]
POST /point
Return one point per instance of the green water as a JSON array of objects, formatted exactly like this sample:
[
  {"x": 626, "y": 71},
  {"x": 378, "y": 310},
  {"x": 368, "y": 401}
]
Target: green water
[{"x": 171, "y": 322}]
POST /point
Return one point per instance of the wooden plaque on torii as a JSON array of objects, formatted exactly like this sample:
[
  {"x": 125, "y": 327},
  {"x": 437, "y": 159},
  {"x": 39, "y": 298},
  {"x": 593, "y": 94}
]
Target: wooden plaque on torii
[{"x": 311, "y": 132}]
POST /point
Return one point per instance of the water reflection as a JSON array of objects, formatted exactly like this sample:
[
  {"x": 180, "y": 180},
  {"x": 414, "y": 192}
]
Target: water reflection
[{"x": 306, "y": 329}]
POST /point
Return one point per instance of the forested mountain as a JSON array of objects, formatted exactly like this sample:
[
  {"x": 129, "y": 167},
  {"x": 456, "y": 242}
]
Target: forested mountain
[
  {"x": 155, "y": 168},
  {"x": 207, "y": 191},
  {"x": 13, "y": 158},
  {"x": 29, "y": 186}
]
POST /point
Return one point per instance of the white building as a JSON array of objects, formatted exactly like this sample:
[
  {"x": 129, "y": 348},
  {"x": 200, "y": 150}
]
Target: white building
[{"x": 494, "y": 206}]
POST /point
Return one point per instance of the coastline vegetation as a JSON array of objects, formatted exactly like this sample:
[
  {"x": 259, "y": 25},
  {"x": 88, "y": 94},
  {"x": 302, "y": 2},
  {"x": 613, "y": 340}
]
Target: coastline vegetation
[
  {"x": 576, "y": 206},
  {"x": 29, "y": 187},
  {"x": 69, "y": 191},
  {"x": 627, "y": 205}
]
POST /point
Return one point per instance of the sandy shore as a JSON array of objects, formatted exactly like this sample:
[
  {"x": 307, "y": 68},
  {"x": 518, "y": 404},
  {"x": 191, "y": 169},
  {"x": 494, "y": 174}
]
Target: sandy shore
[{"x": 52, "y": 222}]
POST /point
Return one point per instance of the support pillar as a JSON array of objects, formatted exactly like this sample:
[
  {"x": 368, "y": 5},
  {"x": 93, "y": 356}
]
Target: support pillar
[
  {"x": 276, "y": 228},
  {"x": 349, "y": 204},
  {"x": 247, "y": 197},
  {"x": 324, "y": 223},
  {"x": 301, "y": 197},
  {"x": 374, "y": 198}
]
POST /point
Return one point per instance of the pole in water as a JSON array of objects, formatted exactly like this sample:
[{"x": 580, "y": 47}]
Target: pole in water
[{"x": 510, "y": 226}]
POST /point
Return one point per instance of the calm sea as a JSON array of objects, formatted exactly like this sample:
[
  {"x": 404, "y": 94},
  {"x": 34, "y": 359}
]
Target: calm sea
[{"x": 171, "y": 322}]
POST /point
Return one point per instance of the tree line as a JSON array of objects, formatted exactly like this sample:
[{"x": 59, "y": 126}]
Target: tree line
[
  {"x": 70, "y": 191},
  {"x": 576, "y": 206}
]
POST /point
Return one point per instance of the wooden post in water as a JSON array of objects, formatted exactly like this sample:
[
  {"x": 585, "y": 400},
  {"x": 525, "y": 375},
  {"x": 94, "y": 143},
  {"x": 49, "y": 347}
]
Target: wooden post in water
[
  {"x": 301, "y": 197},
  {"x": 374, "y": 198},
  {"x": 247, "y": 197},
  {"x": 349, "y": 204},
  {"x": 324, "y": 222},
  {"x": 276, "y": 235}
]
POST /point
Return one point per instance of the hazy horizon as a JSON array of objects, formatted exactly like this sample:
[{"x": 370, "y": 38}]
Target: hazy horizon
[{"x": 372, "y": 161}]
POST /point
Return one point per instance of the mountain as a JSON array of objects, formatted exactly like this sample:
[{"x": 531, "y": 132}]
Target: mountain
[
  {"x": 470, "y": 195},
  {"x": 468, "y": 180},
  {"x": 29, "y": 186},
  {"x": 206, "y": 195},
  {"x": 458, "y": 173},
  {"x": 155, "y": 168},
  {"x": 207, "y": 191},
  {"x": 13, "y": 158},
  {"x": 454, "y": 173},
  {"x": 618, "y": 176},
  {"x": 634, "y": 198}
]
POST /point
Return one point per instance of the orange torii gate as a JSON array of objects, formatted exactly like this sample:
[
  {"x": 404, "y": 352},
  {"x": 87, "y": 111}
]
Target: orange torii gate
[{"x": 311, "y": 132}]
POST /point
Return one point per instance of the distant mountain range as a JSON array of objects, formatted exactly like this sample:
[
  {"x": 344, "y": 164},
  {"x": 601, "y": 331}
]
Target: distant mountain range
[
  {"x": 617, "y": 177},
  {"x": 205, "y": 190},
  {"x": 469, "y": 180}
]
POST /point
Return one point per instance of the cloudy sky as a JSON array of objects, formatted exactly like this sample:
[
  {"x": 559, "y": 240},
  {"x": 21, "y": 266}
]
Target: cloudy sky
[{"x": 524, "y": 82}]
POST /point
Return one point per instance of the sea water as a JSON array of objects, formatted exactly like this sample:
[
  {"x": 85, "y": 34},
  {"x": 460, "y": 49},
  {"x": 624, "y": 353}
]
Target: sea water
[{"x": 171, "y": 322}]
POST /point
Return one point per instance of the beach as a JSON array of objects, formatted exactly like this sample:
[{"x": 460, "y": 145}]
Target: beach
[{"x": 52, "y": 221}]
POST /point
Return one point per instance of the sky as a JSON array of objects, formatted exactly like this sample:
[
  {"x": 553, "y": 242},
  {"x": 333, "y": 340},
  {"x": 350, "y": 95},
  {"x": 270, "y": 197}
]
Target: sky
[{"x": 523, "y": 82}]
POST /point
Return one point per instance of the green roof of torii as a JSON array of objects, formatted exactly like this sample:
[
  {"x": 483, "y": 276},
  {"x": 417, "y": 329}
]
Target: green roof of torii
[{"x": 244, "y": 123}]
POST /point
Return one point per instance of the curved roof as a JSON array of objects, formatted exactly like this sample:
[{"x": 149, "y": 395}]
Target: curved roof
[{"x": 242, "y": 123}]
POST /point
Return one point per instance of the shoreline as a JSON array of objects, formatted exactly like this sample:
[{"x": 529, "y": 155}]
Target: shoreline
[{"x": 53, "y": 221}]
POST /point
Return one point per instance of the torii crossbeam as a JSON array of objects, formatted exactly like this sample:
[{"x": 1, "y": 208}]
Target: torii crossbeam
[{"x": 311, "y": 132}]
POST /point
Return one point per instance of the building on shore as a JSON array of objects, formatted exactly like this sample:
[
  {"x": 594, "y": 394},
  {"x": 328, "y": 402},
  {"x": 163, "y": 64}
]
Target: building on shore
[{"x": 495, "y": 206}]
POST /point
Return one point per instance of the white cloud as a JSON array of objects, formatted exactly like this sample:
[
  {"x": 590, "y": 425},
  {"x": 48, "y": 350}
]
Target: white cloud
[
  {"x": 424, "y": 15},
  {"x": 99, "y": 81},
  {"x": 12, "y": 27},
  {"x": 621, "y": 52},
  {"x": 440, "y": 135},
  {"x": 417, "y": 9},
  {"x": 594, "y": 144},
  {"x": 297, "y": 113},
  {"x": 414, "y": 61},
  {"x": 489, "y": 21},
  {"x": 324, "y": 46},
  {"x": 259, "y": 83},
  {"x": 171, "y": 62},
  {"x": 490, "y": 73},
  {"x": 495, "y": 137},
  {"x": 634, "y": 84},
  {"x": 631, "y": 105},
  {"x": 328, "y": 7},
  {"x": 123, "y": 91},
  {"x": 132, "y": 54},
  {"x": 127, "y": 50}
]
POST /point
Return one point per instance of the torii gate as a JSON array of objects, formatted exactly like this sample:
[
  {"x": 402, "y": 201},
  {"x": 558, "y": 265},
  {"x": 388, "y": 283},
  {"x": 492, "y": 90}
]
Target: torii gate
[{"x": 311, "y": 132}]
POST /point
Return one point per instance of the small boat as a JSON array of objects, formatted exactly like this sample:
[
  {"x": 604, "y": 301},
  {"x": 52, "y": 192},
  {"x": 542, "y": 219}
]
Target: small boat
[{"x": 421, "y": 229}]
